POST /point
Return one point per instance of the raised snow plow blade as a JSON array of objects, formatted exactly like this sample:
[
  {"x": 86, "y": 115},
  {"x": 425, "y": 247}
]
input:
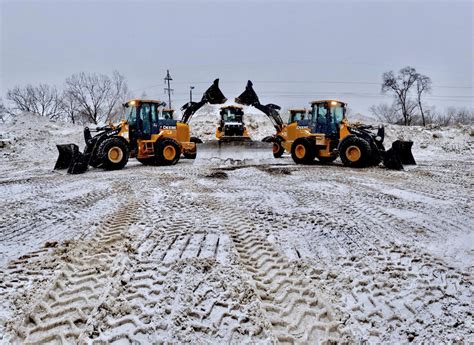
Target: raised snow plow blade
[
  {"x": 398, "y": 155},
  {"x": 245, "y": 152},
  {"x": 71, "y": 158}
]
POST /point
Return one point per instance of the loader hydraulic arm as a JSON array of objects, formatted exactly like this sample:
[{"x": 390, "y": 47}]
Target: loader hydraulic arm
[
  {"x": 213, "y": 95},
  {"x": 249, "y": 97}
]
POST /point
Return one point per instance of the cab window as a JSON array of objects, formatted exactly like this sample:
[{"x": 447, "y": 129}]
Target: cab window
[
  {"x": 155, "y": 113},
  {"x": 131, "y": 115},
  {"x": 298, "y": 116},
  {"x": 337, "y": 113},
  {"x": 145, "y": 118}
]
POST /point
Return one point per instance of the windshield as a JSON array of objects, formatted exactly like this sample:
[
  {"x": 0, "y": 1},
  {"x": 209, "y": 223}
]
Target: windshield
[
  {"x": 167, "y": 115},
  {"x": 131, "y": 114},
  {"x": 298, "y": 116},
  {"x": 327, "y": 116},
  {"x": 337, "y": 112},
  {"x": 232, "y": 115}
]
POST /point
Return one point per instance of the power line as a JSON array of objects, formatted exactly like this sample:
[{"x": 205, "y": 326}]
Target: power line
[{"x": 301, "y": 82}]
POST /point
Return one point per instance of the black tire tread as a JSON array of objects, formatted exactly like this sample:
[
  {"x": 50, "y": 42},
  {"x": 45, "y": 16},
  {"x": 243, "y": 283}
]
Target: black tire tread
[{"x": 104, "y": 147}]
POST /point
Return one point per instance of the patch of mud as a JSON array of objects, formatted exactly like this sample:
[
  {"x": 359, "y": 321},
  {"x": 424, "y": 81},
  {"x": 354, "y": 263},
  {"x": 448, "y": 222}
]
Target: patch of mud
[{"x": 217, "y": 175}]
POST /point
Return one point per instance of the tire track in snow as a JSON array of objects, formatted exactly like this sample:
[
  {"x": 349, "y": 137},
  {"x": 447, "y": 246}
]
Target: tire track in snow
[
  {"x": 66, "y": 308},
  {"x": 295, "y": 310}
]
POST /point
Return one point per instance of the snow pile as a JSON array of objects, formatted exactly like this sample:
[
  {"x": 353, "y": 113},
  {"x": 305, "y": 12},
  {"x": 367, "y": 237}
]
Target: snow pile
[
  {"x": 433, "y": 140},
  {"x": 204, "y": 123},
  {"x": 32, "y": 137}
]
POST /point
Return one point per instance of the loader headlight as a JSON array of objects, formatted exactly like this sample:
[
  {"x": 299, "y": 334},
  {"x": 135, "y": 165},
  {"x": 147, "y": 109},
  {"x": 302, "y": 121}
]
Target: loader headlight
[{"x": 378, "y": 138}]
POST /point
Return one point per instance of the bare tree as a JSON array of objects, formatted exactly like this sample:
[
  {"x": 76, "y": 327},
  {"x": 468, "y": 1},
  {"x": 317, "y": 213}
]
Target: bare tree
[
  {"x": 423, "y": 84},
  {"x": 386, "y": 113},
  {"x": 43, "y": 100},
  {"x": 400, "y": 85},
  {"x": 70, "y": 107},
  {"x": 3, "y": 111},
  {"x": 97, "y": 95}
]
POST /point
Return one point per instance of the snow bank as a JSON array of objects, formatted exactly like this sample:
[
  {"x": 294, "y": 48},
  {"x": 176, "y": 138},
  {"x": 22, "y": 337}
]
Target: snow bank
[
  {"x": 204, "y": 123},
  {"x": 433, "y": 140},
  {"x": 32, "y": 137}
]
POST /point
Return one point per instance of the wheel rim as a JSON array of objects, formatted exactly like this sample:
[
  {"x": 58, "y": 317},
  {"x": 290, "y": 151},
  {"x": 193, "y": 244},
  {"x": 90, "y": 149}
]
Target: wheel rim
[
  {"x": 300, "y": 151},
  {"x": 353, "y": 153},
  {"x": 115, "y": 154},
  {"x": 276, "y": 147},
  {"x": 169, "y": 152}
]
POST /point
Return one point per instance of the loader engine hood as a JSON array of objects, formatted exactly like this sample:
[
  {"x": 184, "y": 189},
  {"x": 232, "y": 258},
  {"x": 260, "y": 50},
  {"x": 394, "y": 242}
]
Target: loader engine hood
[
  {"x": 366, "y": 131},
  {"x": 101, "y": 132}
]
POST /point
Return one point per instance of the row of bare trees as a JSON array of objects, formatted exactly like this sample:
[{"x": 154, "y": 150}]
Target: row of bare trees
[
  {"x": 390, "y": 113},
  {"x": 408, "y": 88},
  {"x": 84, "y": 98}
]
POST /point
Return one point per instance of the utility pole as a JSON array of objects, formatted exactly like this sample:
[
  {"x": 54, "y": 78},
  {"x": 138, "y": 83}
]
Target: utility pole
[
  {"x": 168, "y": 90},
  {"x": 191, "y": 88}
]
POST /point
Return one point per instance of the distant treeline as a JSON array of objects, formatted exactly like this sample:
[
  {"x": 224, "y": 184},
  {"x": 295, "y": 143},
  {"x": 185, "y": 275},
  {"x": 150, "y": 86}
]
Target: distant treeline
[{"x": 93, "y": 98}]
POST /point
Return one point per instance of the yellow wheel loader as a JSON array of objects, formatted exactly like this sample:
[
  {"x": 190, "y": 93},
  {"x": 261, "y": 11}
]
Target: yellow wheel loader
[
  {"x": 148, "y": 133},
  {"x": 327, "y": 135},
  {"x": 298, "y": 117},
  {"x": 233, "y": 143}
]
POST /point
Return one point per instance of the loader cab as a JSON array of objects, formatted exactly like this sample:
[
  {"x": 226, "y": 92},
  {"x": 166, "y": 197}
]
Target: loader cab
[
  {"x": 167, "y": 114},
  {"x": 326, "y": 116},
  {"x": 144, "y": 117},
  {"x": 232, "y": 121},
  {"x": 300, "y": 116}
]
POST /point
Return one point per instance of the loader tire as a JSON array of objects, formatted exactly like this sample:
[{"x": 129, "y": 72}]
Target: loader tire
[
  {"x": 375, "y": 157},
  {"x": 278, "y": 149},
  {"x": 94, "y": 162},
  {"x": 355, "y": 152},
  {"x": 192, "y": 155},
  {"x": 113, "y": 153},
  {"x": 167, "y": 151},
  {"x": 303, "y": 151}
]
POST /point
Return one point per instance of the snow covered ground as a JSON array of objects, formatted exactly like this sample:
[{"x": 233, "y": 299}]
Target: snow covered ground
[{"x": 254, "y": 254}]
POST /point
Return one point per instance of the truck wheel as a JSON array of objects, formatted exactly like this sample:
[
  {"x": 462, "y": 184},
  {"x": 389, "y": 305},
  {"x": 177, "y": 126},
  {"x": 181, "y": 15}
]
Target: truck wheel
[
  {"x": 355, "y": 152},
  {"x": 303, "y": 151},
  {"x": 192, "y": 155},
  {"x": 167, "y": 151},
  {"x": 113, "y": 153},
  {"x": 278, "y": 149}
]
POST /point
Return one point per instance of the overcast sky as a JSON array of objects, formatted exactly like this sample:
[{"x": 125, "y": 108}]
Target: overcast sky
[{"x": 294, "y": 51}]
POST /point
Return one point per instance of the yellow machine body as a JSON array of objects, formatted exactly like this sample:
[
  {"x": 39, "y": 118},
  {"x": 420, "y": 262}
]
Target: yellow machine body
[{"x": 324, "y": 144}]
